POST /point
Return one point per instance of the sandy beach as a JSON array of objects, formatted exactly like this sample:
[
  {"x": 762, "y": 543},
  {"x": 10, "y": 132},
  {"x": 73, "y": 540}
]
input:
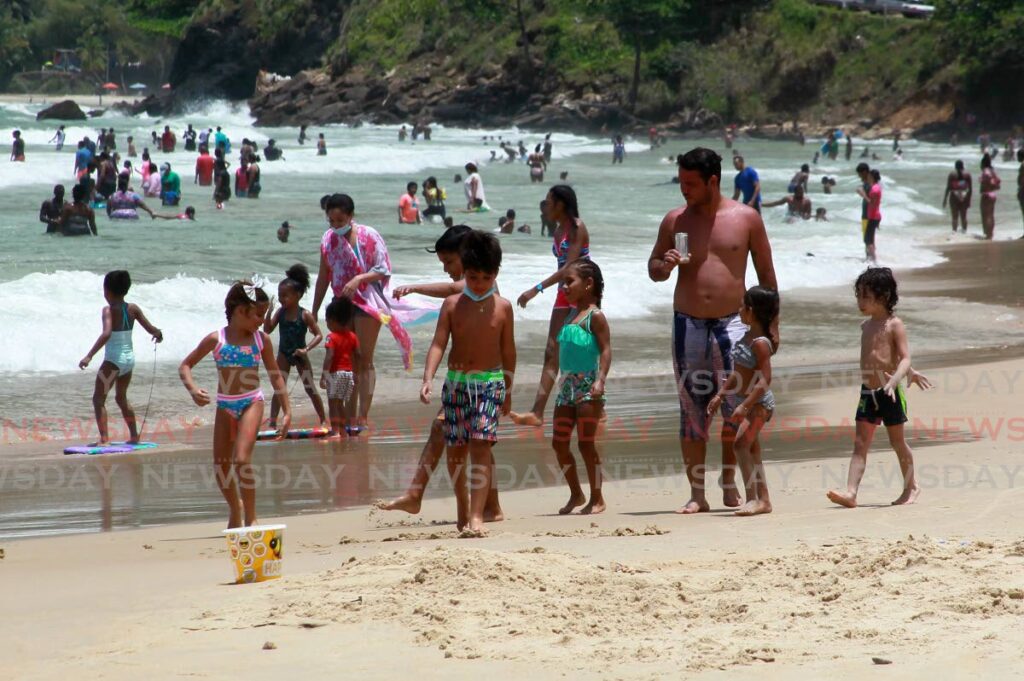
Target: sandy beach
[{"x": 933, "y": 589}]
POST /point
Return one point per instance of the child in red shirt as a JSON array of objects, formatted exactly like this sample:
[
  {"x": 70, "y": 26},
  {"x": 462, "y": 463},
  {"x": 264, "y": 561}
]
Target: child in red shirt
[{"x": 337, "y": 377}]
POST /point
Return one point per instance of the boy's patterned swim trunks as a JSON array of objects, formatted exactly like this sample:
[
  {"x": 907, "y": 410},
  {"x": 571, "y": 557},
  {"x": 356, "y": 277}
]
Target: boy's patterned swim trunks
[{"x": 471, "y": 404}]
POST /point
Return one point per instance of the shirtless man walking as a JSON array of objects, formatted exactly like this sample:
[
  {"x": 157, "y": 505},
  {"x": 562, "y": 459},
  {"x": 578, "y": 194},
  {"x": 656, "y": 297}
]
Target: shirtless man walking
[{"x": 710, "y": 287}]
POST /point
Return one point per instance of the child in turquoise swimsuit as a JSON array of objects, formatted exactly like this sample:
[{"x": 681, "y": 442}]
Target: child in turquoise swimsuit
[
  {"x": 239, "y": 349},
  {"x": 294, "y": 321},
  {"x": 119, "y": 319},
  {"x": 584, "y": 359}
]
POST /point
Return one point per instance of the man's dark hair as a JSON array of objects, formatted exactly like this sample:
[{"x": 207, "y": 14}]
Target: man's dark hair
[
  {"x": 863, "y": 168},
  {"x": 480, "y": 251},
  {"x": 704, "y": 161},
  {"x": 410, "y": 186},
  {"x": 118, "y": 282},
  {"x": 879, "y": 282},
  {"x": 451, "y": 240}
]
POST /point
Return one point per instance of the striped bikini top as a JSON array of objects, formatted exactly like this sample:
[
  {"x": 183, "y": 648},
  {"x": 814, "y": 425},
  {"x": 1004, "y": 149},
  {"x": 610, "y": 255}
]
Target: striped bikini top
[
  {"x": 560, "y": 249},
  {"x": 241, "y": 356},
  {"x": 743, "y": 354}
]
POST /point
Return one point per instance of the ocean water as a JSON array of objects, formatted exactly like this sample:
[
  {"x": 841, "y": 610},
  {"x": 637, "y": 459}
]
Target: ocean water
[{"x": 51, "y": 287}]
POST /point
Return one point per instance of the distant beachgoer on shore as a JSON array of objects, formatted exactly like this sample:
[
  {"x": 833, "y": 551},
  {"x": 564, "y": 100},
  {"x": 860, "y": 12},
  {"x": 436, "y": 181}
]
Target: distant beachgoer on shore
[
  {"x": 283, "y": 232},
  {"x": 571, "y": 242},
  {"x": 827, "y": 183},
  {"x": 168, "y": 141},
  {"x": 798, "y": 205},
  {"x": 473, "y": 185},
  {"x": 435, "y": 197},
  {"x": 124, "y": 204},
  {"x": 748, "y": 392},
  {"x": 447, "y": 250},
  {"x": 204, "y": 168},
  {"x": 59, "y": 138},
  {"x": 402, "y": 134},
  {"x": 708, "y": 293},
  {"x": 990, "y": 184},
  {"x": 800, "y": 179},
  {"x": 119, "y": 320},
  {"x": 238, "y": 350},
  {"x": 321, "y": 145},
  {"x": 584, "y": 360},
  {"x": 272, "y": 152},
  {"x": 294, "y": 322},
  {"x": 747, "y": 183},
  {"x": 959, "y": 189},
  {"x": 302, "y": 134},
  {"x": 51, "y": 210},
  {"x": 537, "y": 165},
  {"x": 1020, "y": 181},
  {"x": 190, "y": 138},
  {"x": 820, "y": 215},
  {"x": 426, "y": 133},
  {"x": 409, "y": 207},
  {"x": 131, "y": 147},
  {"x": 17, "y": 147},
  {"x": 547, "y": 149},
  {"x": 618, "y": 150},
  {"x": 885, "y": 361}
]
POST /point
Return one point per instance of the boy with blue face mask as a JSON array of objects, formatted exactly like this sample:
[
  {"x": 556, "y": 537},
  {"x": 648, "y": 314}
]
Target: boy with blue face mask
[{"x": 481, "y": 365}]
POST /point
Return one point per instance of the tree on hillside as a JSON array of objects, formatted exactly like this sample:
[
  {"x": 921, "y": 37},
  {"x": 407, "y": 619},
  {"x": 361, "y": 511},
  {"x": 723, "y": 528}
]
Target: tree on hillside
[{"x": 643, "y": 25}]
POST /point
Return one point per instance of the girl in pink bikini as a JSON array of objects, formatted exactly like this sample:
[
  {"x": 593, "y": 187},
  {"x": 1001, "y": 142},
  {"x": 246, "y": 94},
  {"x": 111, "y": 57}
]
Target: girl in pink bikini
[
  {"x": 239, "y": 349},
  {"x": 990, "y": 184},
  {"x": 571, "y": 242}
]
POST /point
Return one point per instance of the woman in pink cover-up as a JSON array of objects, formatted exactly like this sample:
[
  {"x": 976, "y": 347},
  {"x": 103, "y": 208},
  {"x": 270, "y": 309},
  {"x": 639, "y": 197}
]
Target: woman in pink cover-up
[{"x": 354, "y": 262}]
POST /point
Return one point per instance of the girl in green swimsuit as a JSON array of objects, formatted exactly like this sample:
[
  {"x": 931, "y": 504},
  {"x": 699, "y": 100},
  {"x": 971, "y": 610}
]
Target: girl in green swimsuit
[
  {"x": 293, "y": 349},
  {"x": 584, "y": 359}
]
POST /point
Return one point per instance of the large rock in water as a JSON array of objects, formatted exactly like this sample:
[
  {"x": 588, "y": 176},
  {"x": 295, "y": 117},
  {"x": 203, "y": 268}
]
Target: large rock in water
[{"x": 63, "y": 111}]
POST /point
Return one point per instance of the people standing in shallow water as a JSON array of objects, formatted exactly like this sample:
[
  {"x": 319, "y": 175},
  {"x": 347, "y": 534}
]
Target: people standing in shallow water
[
  {"x": 473, "y": 185},
  {"x": 618, "y": 150},
  {"x": 722, "y": 235},
  {"x": 294, "y": 322},
  {"x": 435, "y": 197},
  {"x": 51, "y": 210},
  {"x": 571, "y": 242},
  {"x": 190, "y": 138},
  {"x": 990, "y": 184},
  {"x": 17, "y": 147},
  {"x": 77, "y": 218},
  {"x": 584, "y": 360},
  {"x": 238, "y": 350},
  {"x": 321, "y": 145},
  {"x": 959, "y": 188},
  {"x": 537, "y": 165}
]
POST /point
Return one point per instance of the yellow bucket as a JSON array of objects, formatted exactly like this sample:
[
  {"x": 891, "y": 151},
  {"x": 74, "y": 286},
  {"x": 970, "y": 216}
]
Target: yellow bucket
[{"x": 257, "y": 552}]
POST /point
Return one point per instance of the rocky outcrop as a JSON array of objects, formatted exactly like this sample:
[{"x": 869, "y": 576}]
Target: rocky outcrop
[{"x": 67, "y": 110}]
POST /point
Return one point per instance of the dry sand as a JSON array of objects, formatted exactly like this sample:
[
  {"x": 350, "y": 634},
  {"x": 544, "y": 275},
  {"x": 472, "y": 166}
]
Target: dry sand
[{"x": 935, "y": 589}]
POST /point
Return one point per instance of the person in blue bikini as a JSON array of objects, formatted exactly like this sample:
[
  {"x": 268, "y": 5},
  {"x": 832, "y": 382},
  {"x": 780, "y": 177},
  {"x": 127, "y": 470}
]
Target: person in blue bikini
[
  {"x": 238, "y": 350},
  {"x": 119, "y": 320}
]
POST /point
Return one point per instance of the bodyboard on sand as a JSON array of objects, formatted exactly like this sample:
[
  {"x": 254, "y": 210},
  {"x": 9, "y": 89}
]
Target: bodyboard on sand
[
  {"x": 294, "y": 434},
  {"x": 112, "y": 448}
]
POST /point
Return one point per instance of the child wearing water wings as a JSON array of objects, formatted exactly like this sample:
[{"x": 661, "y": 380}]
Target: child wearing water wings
[
  {"x": 584, "y": 358},
  {"x": 119, "y": 320},
  {"x": 481, "y": 364},
  {"x": 747, "y": 396},
  {"x": 238, "y": 349}
]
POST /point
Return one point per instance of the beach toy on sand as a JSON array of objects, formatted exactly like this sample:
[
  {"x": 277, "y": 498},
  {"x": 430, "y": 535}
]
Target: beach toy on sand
[
  {"x": 294, "y": 434},
  {"x": 112, "y": 448},
  {"x": 256, "y": 552}
]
